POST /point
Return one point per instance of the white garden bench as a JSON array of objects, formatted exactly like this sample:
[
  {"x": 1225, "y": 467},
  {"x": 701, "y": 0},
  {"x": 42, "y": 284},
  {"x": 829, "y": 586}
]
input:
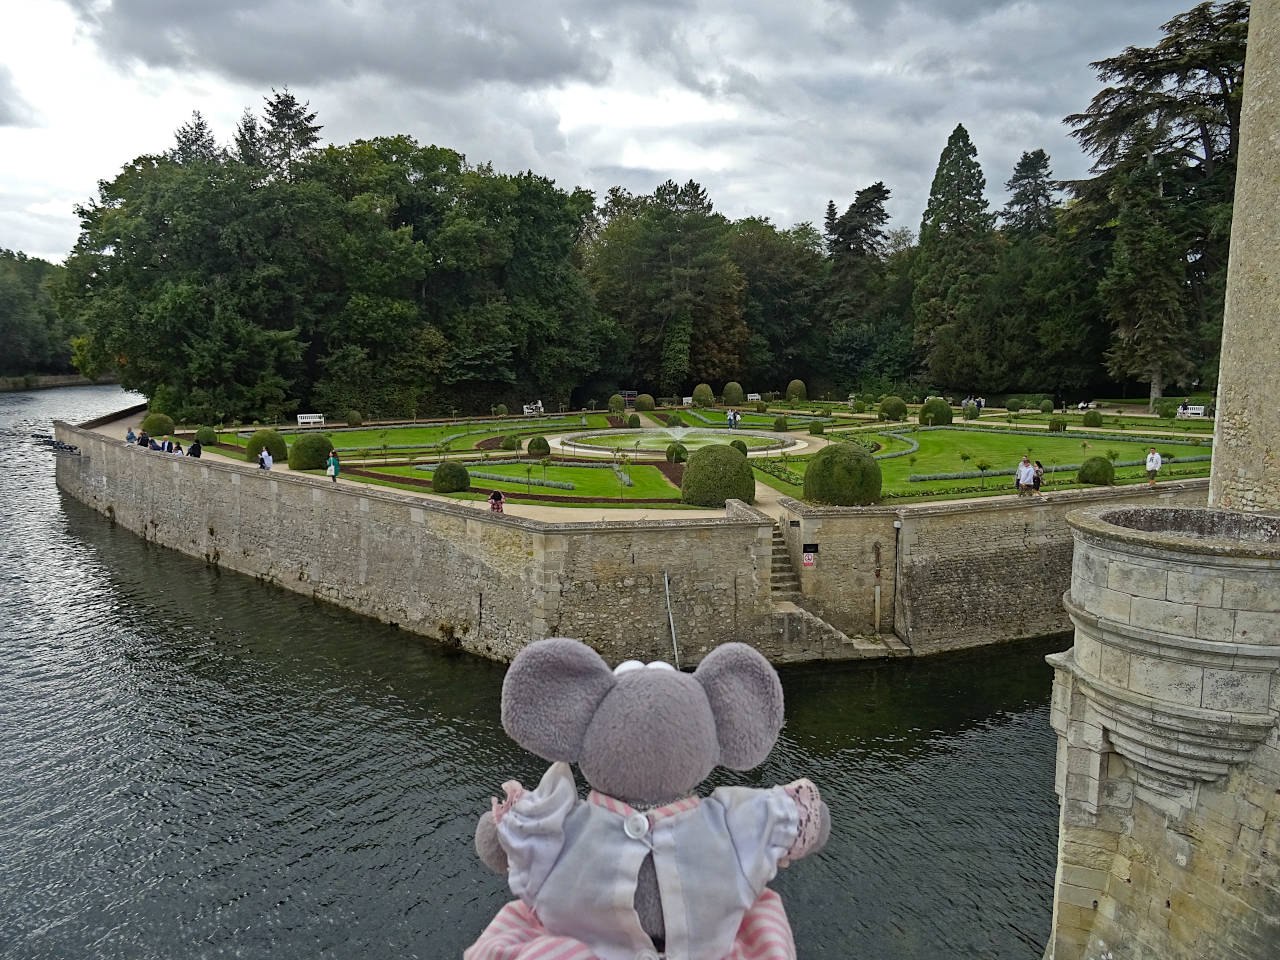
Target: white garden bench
[
  {"x": 533, "y": 409},
  {"x": 1191, "y": 412},
  {"x": 311, "y": 419},
  {"x": 753, "y": 397}
]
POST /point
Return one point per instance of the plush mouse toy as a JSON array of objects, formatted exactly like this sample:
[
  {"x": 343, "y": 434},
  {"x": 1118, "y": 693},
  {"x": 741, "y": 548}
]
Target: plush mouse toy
[{"x": 643, "y": 868}]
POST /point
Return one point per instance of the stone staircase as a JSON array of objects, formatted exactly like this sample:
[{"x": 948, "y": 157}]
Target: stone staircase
[{"x": 784, "y": 582}]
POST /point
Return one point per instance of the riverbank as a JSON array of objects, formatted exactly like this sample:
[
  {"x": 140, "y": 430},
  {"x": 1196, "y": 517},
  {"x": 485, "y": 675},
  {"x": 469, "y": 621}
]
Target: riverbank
[{"x": 32, "y": 381}]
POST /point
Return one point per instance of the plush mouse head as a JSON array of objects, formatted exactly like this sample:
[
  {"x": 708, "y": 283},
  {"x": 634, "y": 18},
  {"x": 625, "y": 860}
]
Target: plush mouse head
[{"x": 646, "y": 735}]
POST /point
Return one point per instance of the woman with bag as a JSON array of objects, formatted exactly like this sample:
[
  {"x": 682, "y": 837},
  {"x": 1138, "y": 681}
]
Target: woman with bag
[{"x": 331, "y": 466}]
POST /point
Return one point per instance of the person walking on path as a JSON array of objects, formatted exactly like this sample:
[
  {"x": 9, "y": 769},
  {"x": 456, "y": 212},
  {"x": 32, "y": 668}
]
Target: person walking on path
[
  {"x": 1039, "y": 476},
  {"x": 1025, "y": 477},
  {"x": 332, "y": 467},
  {"x": 1153, "y": 466}
]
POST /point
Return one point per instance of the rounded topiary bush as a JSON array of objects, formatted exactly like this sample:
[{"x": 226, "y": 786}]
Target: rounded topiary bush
[
  {"x": 1093, "y": 418},
  {"x": 739, "y": 445},
  {"x": 1013, "y": 405},
  {"x": 761, "y": 407},
  {"x": 510, "y": 442},
  {"x": 1098, "y": 471},
  {"x": 936, "y": 412},
  {"x": 796, "y": 391},
  {"x": 500, "y": 409},
  {"x": 859, "y": 406},
  {"x": 309, "y": 452},
  {"x": 633, "y": 421},
  {"x": 539, "y": 447},
  {"x": 893, "y": 408},
  {"x": 844, "y": 475},
  {"x": 644, "y": 401},
  {"x": 354, "y": 419},
  {"x": 1167, "y": 409},
  {"x": 158, "y": 424},
  {"x": 677, "y": 453},
  {"x": 733, "y": 395},
  {"x": 450, "y": 477},
  {"x": 617, "y": 404},
  {"x": 1057, "y": 425},
  {"x": 780, "y": 425},
  {"x": 267, "y": 440},
  {"x": 969, "y": 411},
  {"x": 816, "y": 429},
  {"x": 1046, "y": 406},
  {"x": 715, "y": 474},
  {"x": 207, "y": 436},
  {"x": 702, "y": 395}
]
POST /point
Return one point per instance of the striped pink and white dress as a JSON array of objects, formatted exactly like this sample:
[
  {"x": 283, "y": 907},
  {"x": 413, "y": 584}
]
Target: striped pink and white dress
[{"x": 574, "y": 864}]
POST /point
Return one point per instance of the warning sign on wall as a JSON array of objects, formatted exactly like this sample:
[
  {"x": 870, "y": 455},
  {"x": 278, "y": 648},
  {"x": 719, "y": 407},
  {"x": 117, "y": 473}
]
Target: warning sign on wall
[{"x": 807, "y": 559}]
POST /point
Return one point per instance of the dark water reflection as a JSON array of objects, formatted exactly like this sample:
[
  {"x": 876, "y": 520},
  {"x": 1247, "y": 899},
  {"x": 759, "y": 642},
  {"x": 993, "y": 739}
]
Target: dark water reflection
[{"x": 193, "y": 764}]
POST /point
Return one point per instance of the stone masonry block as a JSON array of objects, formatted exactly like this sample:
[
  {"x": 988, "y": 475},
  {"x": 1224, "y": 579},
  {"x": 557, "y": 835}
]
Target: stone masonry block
[
  {"x": 1085, "y": 877},
  {"x": 1084, "y": 897},
  {"x": 1258, "y": 627},
  {"x": 1215, "y": 624},
  {"x": 1189, "y": 586},
  {"x": 1114, "y": 668},
  {"x": 1089, "y": 566},
  {"x": 1178, "y": 619},
  {"x": 1180, "y": 683},
  {"x": 1088, "y": 653},
  {"x": 1137, "y": 580},
  {"x": 1236, "y": 690},
  {"x": 1240, "y": 593}
]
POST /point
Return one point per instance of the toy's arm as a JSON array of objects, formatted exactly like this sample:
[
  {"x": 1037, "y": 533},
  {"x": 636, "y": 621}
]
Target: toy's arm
[
  {"x": 487, "y": 845},
  {"x": 815, "y": 821}
]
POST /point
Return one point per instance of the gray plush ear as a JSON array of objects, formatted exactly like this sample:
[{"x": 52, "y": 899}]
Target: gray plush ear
[
  {"x": 746, "y": 700},
  {"x": 550, "y": 694}
]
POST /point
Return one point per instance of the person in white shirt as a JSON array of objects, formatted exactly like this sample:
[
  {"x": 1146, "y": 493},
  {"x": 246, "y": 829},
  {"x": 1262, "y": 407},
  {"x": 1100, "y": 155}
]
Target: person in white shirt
[
  {"x": 1153, "y": 467},
  {"x": 1025, "y": 477}
]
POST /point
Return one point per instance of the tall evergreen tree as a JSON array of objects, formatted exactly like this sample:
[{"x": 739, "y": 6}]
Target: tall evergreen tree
[
  {"x": 247, "y": 145},
  {"x": 1029, "y": 210},
  {"x": 194, "y": 142},
  {"x": 853, "y": 299},
  {"x": 290, "y": 130},
  {"x": 952, "y": 265}
]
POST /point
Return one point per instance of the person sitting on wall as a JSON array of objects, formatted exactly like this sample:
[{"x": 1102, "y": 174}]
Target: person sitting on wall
[
  {"x": 130, "y": 437},
  {"x": 496, "y": 500},
  {"x": 143, "y": 439},
  {"x": 194, "y": 450},
  {"x": 264, "y": 459},
  {"x": 155, "y": 446}
]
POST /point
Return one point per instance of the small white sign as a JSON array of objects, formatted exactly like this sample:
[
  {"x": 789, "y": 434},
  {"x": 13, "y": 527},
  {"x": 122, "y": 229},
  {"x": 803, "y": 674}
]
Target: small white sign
[{"x": 808, "y": 559}]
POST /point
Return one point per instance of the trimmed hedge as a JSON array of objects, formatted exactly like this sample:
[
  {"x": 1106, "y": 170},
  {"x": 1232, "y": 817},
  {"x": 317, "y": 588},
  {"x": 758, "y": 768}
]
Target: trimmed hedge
[
  {"x": 451, "y": 477},
  {"x": 733, "y": 395},
  {"x": 633, "y": 421},
  {"x": 207, "y": 436},
  {"x": 354, "y": 419},
  {"x": 816, "y": 428},
  {"x": 644, "y": 402},
  {"x": 796, "y": 390},
  {"x": 1014, "y": 405},
  {"x": 1098, "y": 471},
  {"x": 780, "y": 425},
  {"x": 739, "y": 445},
  {"x": 1057, "y": 425},
  {"x": 969, "y": 411},
  {"x": 1093, "y": 418},
  {"x": 859, "y": 406},
  {"x": 936, "y": 412},
  {"x": 309, "y": 452},
  {"x": 1046, "y": 406},
  {"x": 270, "y": 441},
  {"x": 893, "y": 408},
  {"x": 702, "y": 395},
  {"x": 1167, "y": 409},
  {"x": 539, "y": 447},
  {"x": 843, "y": 475},
  {"x": 677, "y": 452},
  {"x": 160, "y": 424},
  {"x": 500, "y": 410},
  {"x": 510, "y": 442},
  {"x": 715, "y": 474},
  {"x": 761, "y": 407},
  {"x": 617, "y": 404}
]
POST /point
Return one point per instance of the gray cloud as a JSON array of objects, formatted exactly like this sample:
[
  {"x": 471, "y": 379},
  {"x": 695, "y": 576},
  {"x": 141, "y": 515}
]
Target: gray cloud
[
  {"x": 14, "y": 110},
  {"x": 813, "y": 100}
]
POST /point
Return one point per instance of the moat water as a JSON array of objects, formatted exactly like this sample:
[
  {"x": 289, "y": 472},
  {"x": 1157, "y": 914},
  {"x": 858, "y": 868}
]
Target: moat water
[{"x": 194, "y": 764}]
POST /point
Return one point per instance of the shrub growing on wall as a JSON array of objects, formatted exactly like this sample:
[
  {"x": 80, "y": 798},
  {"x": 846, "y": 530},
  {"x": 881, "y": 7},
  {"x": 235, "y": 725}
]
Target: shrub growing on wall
[
  {"x": 1093, "y": 418},
  {"x": 893, "y": 408},
  {"x": 844, "y": 475},
  {"x": 936, "y": 412},
  {"x": 702, "y": 395},
  {"x": 617, "y": 404},
  {"x": 510, "y": 442},
  {"x": 267, "y": 440},
  {"x": 450, "y": 477},
  {"x": 644, "y": 401},
  {"x": 1098, "y": 471},
  {"x": 1046, "y": 406},
  {"x": 354, "y": 419},
  {"x": 715, "y": 474},
  {"x": 309, "y": 452},
  {"x": 797, "y": 392},
  {"x": 207, "y": 436},
  {"x": 739, "y": 445},
  {"x": 1057, "y": 425},
  {"x": 159, "y": 424},
  {"x": 780, "y": 425},
  {"x": 733, "y": 395},
  {"x": 633, "y": 421},
  {"x": 816, "y": 429},
  {"x": 539, "y": 447},
  {"x": 677, "y": 453}
]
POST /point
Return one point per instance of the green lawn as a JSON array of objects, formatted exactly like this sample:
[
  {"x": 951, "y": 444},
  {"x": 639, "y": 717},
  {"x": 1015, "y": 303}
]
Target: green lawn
[
  {"x": 654, "y": 442},
  {"x": 588, "y": 481},
  {"x": 1111, "y": 421}
]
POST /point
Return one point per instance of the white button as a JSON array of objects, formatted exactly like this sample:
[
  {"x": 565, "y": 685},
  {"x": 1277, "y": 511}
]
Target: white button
[{"x": 635, "y": 827}]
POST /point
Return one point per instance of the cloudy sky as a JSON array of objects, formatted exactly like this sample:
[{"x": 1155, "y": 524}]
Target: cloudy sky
[{"x": 774, "y": 106}]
